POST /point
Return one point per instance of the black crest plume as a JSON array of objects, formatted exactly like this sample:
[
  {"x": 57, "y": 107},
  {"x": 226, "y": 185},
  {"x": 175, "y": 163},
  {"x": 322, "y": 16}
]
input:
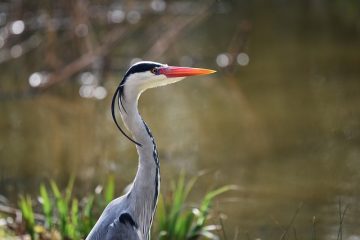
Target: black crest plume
[{"x": 117, "y": 94}]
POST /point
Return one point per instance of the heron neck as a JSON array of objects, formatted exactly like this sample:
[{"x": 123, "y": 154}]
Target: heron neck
[{"x": 145, "y": 189}]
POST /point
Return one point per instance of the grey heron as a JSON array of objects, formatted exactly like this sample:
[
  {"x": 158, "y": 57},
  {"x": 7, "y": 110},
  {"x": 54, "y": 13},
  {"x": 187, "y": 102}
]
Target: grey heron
[{"x": 130, "y": 217}]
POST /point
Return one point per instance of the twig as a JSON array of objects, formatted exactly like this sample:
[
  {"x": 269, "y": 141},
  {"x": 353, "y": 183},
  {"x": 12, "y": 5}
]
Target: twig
[
  {"x": 75, "y": 66},
  {"x": 295, "y": 234},
  {"x": 340, "y": 228},
  {"x": 314, "y": 228},
  {"x": 291, "y": 222},
  {"x": 341, "y": 219},
  {"x": 86, "y": 59}
]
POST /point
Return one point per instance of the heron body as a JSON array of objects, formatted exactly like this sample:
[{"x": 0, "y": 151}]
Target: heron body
[{"x": 130, "y": 217}]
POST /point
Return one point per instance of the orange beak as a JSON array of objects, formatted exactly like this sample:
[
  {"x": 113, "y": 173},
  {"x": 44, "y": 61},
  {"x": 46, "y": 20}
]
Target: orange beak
[{"x": 172, "y": 71}]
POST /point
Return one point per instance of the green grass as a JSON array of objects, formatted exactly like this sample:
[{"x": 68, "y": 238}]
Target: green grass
[
  {"x": 176, "y": 220},
  {"x": 26, "y": 207},
  {"x": 63, "y": 216}
]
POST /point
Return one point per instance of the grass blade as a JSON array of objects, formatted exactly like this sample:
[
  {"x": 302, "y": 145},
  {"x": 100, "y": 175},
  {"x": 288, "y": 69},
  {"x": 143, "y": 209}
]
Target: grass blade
[
  {"x": 109, "y": 192},
  {"x": 46, "y": 206}
]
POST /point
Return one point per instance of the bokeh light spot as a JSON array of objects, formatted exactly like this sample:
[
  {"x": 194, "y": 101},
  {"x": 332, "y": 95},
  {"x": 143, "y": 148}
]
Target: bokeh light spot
[
  {"x": 243, "y": 59},
  {"x": 37, "y": 78},
  {"x": 17, "y": 27},
  {"x": 87, "y": 78},
  {"x": 100, "y": 92},
  {"x": 116, "y": 16},
  {"x": 86, "y": 91},
  {"x": 16, "y": 51},
  {"x": 223, "y": 60},
  {"x": 133, "y": 17},
  {"x": 158, "y": 5}
]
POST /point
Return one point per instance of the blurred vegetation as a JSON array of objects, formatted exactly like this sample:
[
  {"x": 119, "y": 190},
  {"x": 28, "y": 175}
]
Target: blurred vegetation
[
  {"x": 62, "y": 216},
  {"x": 68, "y": 38}
]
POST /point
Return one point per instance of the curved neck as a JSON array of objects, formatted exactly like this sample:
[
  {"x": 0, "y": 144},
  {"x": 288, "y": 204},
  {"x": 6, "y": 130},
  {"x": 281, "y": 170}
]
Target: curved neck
[{"x": 145, "y": 190}]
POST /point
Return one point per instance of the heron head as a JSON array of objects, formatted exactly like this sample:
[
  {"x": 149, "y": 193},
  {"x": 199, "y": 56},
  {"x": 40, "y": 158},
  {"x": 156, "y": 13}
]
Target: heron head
[{"x": 145, "y": 74}]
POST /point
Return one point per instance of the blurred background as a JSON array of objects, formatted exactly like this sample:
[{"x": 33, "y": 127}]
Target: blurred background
[{"x": 280, "y": 118}]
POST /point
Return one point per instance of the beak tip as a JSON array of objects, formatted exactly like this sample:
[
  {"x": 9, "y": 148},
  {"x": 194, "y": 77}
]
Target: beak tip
[
  {"x": 209, "y": 71},
  {"x": 204, "y": 71}
]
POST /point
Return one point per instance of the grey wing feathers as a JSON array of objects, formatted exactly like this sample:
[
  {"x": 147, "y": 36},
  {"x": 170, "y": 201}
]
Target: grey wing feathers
[{"x": 123, "y": 228}]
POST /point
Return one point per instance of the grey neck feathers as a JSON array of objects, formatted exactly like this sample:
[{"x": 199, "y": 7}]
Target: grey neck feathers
[{"x": 145, "y": 190}]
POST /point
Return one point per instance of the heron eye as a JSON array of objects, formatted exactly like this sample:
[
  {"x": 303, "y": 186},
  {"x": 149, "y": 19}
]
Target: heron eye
[{"x": 154, "y": 71}]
